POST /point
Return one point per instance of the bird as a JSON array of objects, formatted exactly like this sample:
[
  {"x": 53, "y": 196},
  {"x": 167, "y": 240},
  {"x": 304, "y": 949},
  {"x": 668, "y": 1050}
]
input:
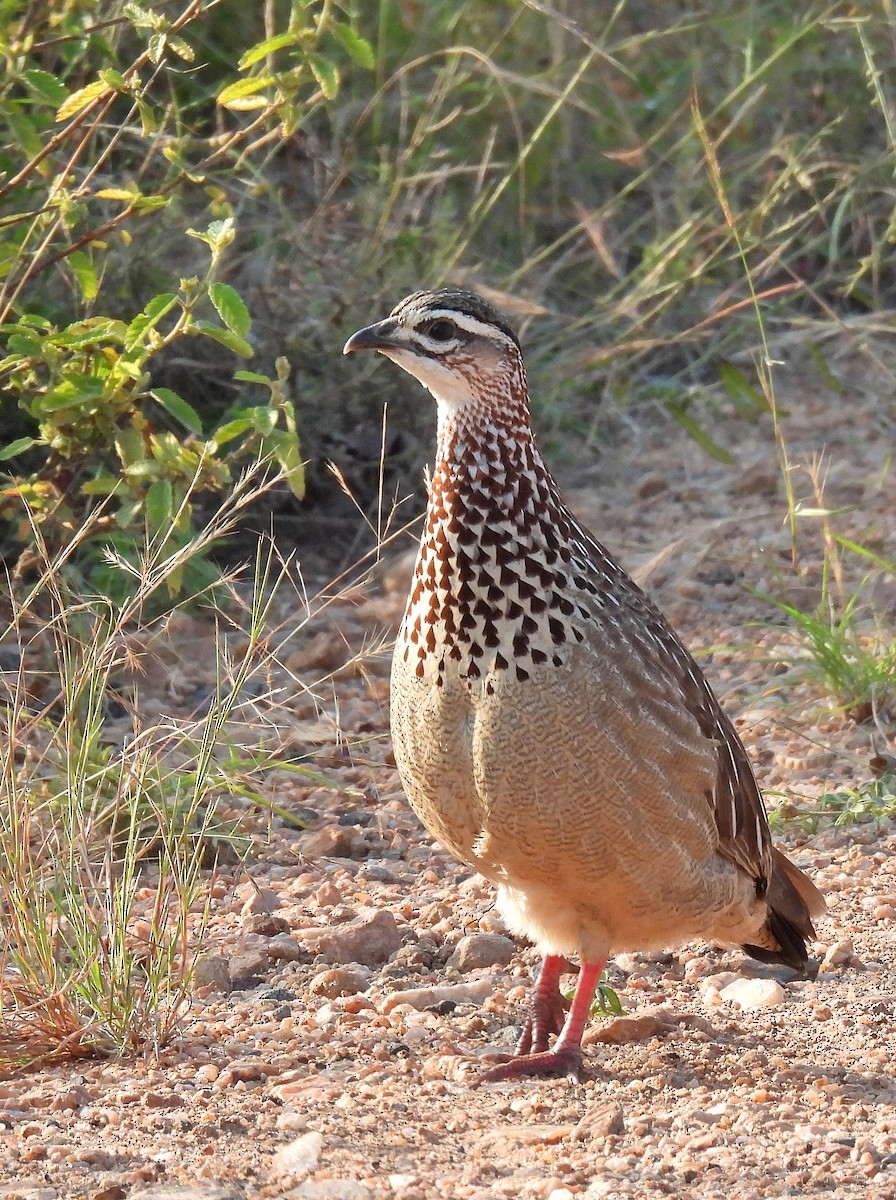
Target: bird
[{"x": 548, "y": 725}]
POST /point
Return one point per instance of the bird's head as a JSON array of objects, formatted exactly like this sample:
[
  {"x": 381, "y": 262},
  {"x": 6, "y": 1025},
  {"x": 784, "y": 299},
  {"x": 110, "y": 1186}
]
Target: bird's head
[{"x": 455, "y": 343}]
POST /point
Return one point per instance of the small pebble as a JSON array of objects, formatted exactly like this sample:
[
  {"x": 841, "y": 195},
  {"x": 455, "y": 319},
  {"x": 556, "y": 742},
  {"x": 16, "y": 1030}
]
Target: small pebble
[
  {"x": 753, "y": 993},
  {"x": 299, "y": 1157},
  {"x": 478, "y": 950}
]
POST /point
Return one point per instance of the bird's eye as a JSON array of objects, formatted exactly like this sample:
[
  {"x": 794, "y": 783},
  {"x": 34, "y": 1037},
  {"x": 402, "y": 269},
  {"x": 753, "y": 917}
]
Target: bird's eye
[{"x": 441, "y": 330}]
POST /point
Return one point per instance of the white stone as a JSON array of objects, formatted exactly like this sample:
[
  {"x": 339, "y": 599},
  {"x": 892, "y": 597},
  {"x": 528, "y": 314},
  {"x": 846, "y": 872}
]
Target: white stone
[
  {"x": 299, "y": 1157},
  {"x": 458, "y": 993},
  {"x": 839, "y": 954},
  {"x": 753, "y": 993}
]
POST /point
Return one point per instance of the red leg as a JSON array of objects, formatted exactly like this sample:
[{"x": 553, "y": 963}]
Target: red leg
[
  {"x": 548, "y": 1010},
  {"x": 566, "y": 1056}
]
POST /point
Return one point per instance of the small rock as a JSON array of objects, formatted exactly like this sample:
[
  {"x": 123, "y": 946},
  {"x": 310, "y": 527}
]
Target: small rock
[
  {"x": 600, "y": 1122},
  {"x": 249, "y": 969},
  {"x": 267, "y": 925},
  {"x": 754, "y": 993},
  {"x": 357, "y": 816},
  {"x": 371, "y": 940},
  {"x": 112, "y": 1191},
  {"x": 839, "y": 955},
  {"x": 69, "y": 1101},
  {"x": 291, "y": 1121},
  {"x": 211, "y": 971},
  {"x": 652, "y": 485},
  {"x": 719, "y": 981},
  {"x": 632, "y": 1029},
  {"x": 287, "y": 995},
  {"x": 336, "y": 841},
  {"x": 332, "y": 1189},
  {"x": 261, "y": 900},
  {"x": 298, "y": 1157},
  {"x": 378, "y": 872},
  {"x": 757, "y": 479},
  {"x": 245, "y": 1070},
  {"x": 458, "y": 1068},
  {"x": 30, "y": 1187},
  {"x": 339, "y": 981},
  {"x": 162, "y": 1100},
  {"x": 478, "y": 950},
  {"x": 186, "y": 1191},
  {"x": 285, "y": 948},
  {"x": 429, "y": 997}
]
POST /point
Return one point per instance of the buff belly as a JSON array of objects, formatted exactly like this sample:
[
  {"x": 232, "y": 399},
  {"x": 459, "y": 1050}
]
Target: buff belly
[{"x": 586, "y": 808}]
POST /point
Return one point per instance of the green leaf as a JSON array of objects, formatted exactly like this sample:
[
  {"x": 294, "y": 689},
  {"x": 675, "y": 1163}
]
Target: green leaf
[
  {"x": 326, "y": 73},
  {"x": 178, "y": 408},
  {"x": 115, "y": 80},
  {"x": 30, "y": 142},
  {"x": 44, "y": 86},
  {"x": 243, "y": 94},
  {"x": 700, "y": 436},
  {"x": 218, "y": 235},
  {"x": 149, "y": 121},
  {"x": 231, "y": 308},
  {"x": 155, "y": 48},
  {"x": 225, "y": 337},
  {"x": 182, "y": 49},
  {"x": 141, "y": 18},
  {"x": 747, "y": 398},
  {"x": 19, "y": 446},
  {"x": 128, "y": 194},
  {"x": 82, "y": 269},
  {"x": 262, "y": 49},
  {"x": 250, "y": 377},
  {"x": 159, "y": 505},
  {"x": 231, "y": 429},
  {"x": 103, "y": 485},
  {"x": 144, "y": 468},
  {"x": 81, "y": 98},
  {"x": 358, "y": 49},
  {"x": 264, "y": 420},
  {"x": 73, "y": 392},
  {"x": 90, "y": 332},
  {"x": 25, "y": 343},
  {"x": 130, "y": 445},
  {"x": 285, "y": 448},
  {"x": 149, "y": 318}
]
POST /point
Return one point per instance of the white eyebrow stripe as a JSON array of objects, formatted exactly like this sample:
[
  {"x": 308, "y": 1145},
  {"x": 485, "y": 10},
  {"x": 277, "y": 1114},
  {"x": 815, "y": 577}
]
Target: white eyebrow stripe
[{"x": 467, "y": 323}]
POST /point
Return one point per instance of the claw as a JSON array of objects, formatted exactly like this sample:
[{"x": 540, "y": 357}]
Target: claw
[
  {"x": 532, "y": 1056},
  {"x": 564, "y": 1060},
  {"x": 548, "y": 1011}
]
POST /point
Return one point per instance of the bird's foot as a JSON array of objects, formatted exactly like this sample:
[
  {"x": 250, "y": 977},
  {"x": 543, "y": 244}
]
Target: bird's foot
[
  {"x": 562, "y": 1060},
  {"x": 548, "y": 1009}
]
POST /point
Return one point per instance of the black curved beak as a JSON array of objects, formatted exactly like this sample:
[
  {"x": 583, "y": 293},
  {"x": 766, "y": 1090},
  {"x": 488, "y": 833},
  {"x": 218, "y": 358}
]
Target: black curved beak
[{"x": 380, "y": 336}]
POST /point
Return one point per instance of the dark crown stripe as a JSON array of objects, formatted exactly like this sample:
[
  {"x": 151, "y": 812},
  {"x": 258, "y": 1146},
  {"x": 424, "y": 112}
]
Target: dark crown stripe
[{"x": 455, "y": 300}]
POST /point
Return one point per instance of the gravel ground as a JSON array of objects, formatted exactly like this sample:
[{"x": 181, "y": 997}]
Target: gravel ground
[{"x": 356, "y": 977}]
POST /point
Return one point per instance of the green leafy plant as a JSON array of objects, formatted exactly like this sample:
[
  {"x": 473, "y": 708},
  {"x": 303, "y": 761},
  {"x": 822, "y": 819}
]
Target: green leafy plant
[
  {"x": 91, "y": 149},
  {"x": 108, "y": 845},
  {"x": 842, "y": 641},
  {"x": 606, "y": 1002},
  {"x": 89, "y": 388},
  {"x": 854, "y": 658},
  {"x": 874, "y": 800}
]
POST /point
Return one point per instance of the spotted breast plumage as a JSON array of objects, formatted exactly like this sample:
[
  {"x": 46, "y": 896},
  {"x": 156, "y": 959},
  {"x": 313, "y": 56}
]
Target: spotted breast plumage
[{"x": 548, "y": 725}]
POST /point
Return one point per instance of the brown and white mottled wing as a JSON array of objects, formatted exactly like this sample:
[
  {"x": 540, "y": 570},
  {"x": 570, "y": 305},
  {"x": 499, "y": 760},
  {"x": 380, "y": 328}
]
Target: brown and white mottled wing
[{"x": 733, "y": 795}]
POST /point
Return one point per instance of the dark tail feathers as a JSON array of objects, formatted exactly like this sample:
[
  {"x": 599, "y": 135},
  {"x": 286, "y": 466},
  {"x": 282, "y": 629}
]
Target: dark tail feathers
[{"x": 793, "y": 900}]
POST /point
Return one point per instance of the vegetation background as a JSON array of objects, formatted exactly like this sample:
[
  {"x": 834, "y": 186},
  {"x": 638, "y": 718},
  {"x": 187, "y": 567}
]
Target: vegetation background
[{"x": 199, "y": 201}]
